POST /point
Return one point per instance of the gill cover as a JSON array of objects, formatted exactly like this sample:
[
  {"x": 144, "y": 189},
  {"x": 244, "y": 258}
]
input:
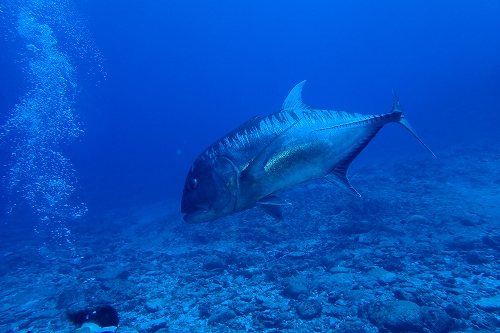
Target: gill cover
[
  {"x": 209, "y": 190},
  {"x": 227, "y": 182}
]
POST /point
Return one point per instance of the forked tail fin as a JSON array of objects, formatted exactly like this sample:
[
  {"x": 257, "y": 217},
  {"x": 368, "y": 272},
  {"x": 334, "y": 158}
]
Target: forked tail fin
[{"x": 403, "y": 122}]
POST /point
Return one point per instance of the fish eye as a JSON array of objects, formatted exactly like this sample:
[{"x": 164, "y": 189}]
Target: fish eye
[{"x": 193, "y": 183}]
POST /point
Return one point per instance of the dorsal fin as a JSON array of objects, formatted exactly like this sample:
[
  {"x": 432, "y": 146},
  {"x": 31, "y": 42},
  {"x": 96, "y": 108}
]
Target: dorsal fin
[
  {"x": 251, "y": 120},
  {"x": 294, "y": 99},
  {"x": 396, "y": 107}
]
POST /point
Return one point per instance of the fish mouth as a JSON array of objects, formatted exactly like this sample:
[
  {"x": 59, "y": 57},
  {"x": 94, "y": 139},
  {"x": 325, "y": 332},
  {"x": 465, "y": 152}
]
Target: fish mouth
[
  {"x": 191, "y": 212},
  {"x": 189, "y": 217}
]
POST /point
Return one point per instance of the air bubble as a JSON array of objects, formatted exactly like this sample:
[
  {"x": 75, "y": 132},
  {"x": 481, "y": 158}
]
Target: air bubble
[{"x": 45, "y": 120}]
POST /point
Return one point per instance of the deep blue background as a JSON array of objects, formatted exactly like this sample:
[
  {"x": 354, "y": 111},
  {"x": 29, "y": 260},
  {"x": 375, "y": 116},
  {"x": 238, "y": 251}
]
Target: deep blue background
[{"x": 180, "y": 74}]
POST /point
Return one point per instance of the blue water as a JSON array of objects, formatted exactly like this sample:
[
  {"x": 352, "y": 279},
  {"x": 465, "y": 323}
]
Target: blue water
[
  {"x": 177, "y": 76},
  {"x": 105, "y": 105}
]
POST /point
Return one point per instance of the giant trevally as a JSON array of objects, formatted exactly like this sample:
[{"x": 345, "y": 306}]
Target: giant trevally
[{"x": 247, "y": 167}]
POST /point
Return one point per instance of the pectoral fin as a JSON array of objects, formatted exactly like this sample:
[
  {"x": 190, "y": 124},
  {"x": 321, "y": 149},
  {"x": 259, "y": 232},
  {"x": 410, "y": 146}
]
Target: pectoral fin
[
  {"x": 272, "y": 200},
  {"x": 271, "y": 205}
]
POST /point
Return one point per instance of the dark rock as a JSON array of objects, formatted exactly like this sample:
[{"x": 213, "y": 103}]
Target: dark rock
[
  {"x": 309, "y": 309},
  {"x": 243, "y": 308},
  {"x": 449, "y": 282},
  {"x": 396, "y": 316},
  {"x": 383, "y": 277},
  {"x": 236, "y": 326},
  {"x": 438, "y": 321},
  {"x": 417, "y": 220},
  {"x": 336, "y": 311},
  {"x": 104, "y": 286},
  {"x": 355, "y": 227},
  {"x": 272, "y": 274},
  {"x": 251, "y": 272},
  {"x": 152, "y": 306},
  {"x": 392, "y": 264},
  {"x": 201, "y": 238},
  {"x": 64, "y": 269},
  {"x": 213, "y": 262},
  {"x": 467, "y": 222},
  {"x": 152, "y": 326},
  {"x": 366, "y": 207},
  {"x": 294, "y": 288},
  {"x": 163, "y": 330},
  {"x": 297, "y": 255},
  {"x": 66, "y": 298},
  {"x": 400, "y": 294},
  {"x": 475, "y": 258},
  {"x": 270, "y": 320},
  {"x": 123, "y": 275},
  {"x": 93, "y": 268},
  {"x": 486, "y": 321},
  {"x": 156, "y": 325},
  {"x": 204, "y": 310},
  {"x": 492, "y": 242},
  {"x": 355, "y": 327},
  {"x": 457, "y": 311},
  {"x": 337, "y": 210},
  {"x": 489, "y": 304},
  {"x": 333, "y": 297},
  {"x": 104, "y": 315},
  {"x": 286, "y": 270},
  {"x": 222, "y": 316},
  {"x": 463, "y": 271},
  {"x": 329, "y": 261},
  {"x": 244, "y": 261},
  {"x": 460, "y": 243}
]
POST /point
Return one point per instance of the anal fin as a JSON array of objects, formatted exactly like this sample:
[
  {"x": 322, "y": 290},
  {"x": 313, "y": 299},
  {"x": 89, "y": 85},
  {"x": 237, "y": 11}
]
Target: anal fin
[
  {"x": 339, "y": 178},
  {"x": 338, "y": 175}
]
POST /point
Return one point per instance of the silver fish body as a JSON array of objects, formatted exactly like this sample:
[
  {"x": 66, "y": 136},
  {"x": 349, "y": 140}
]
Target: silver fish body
[{"x": 299, "y": 143}]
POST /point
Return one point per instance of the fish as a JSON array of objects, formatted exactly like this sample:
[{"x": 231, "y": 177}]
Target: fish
[{"x": 250, "y": 165}]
